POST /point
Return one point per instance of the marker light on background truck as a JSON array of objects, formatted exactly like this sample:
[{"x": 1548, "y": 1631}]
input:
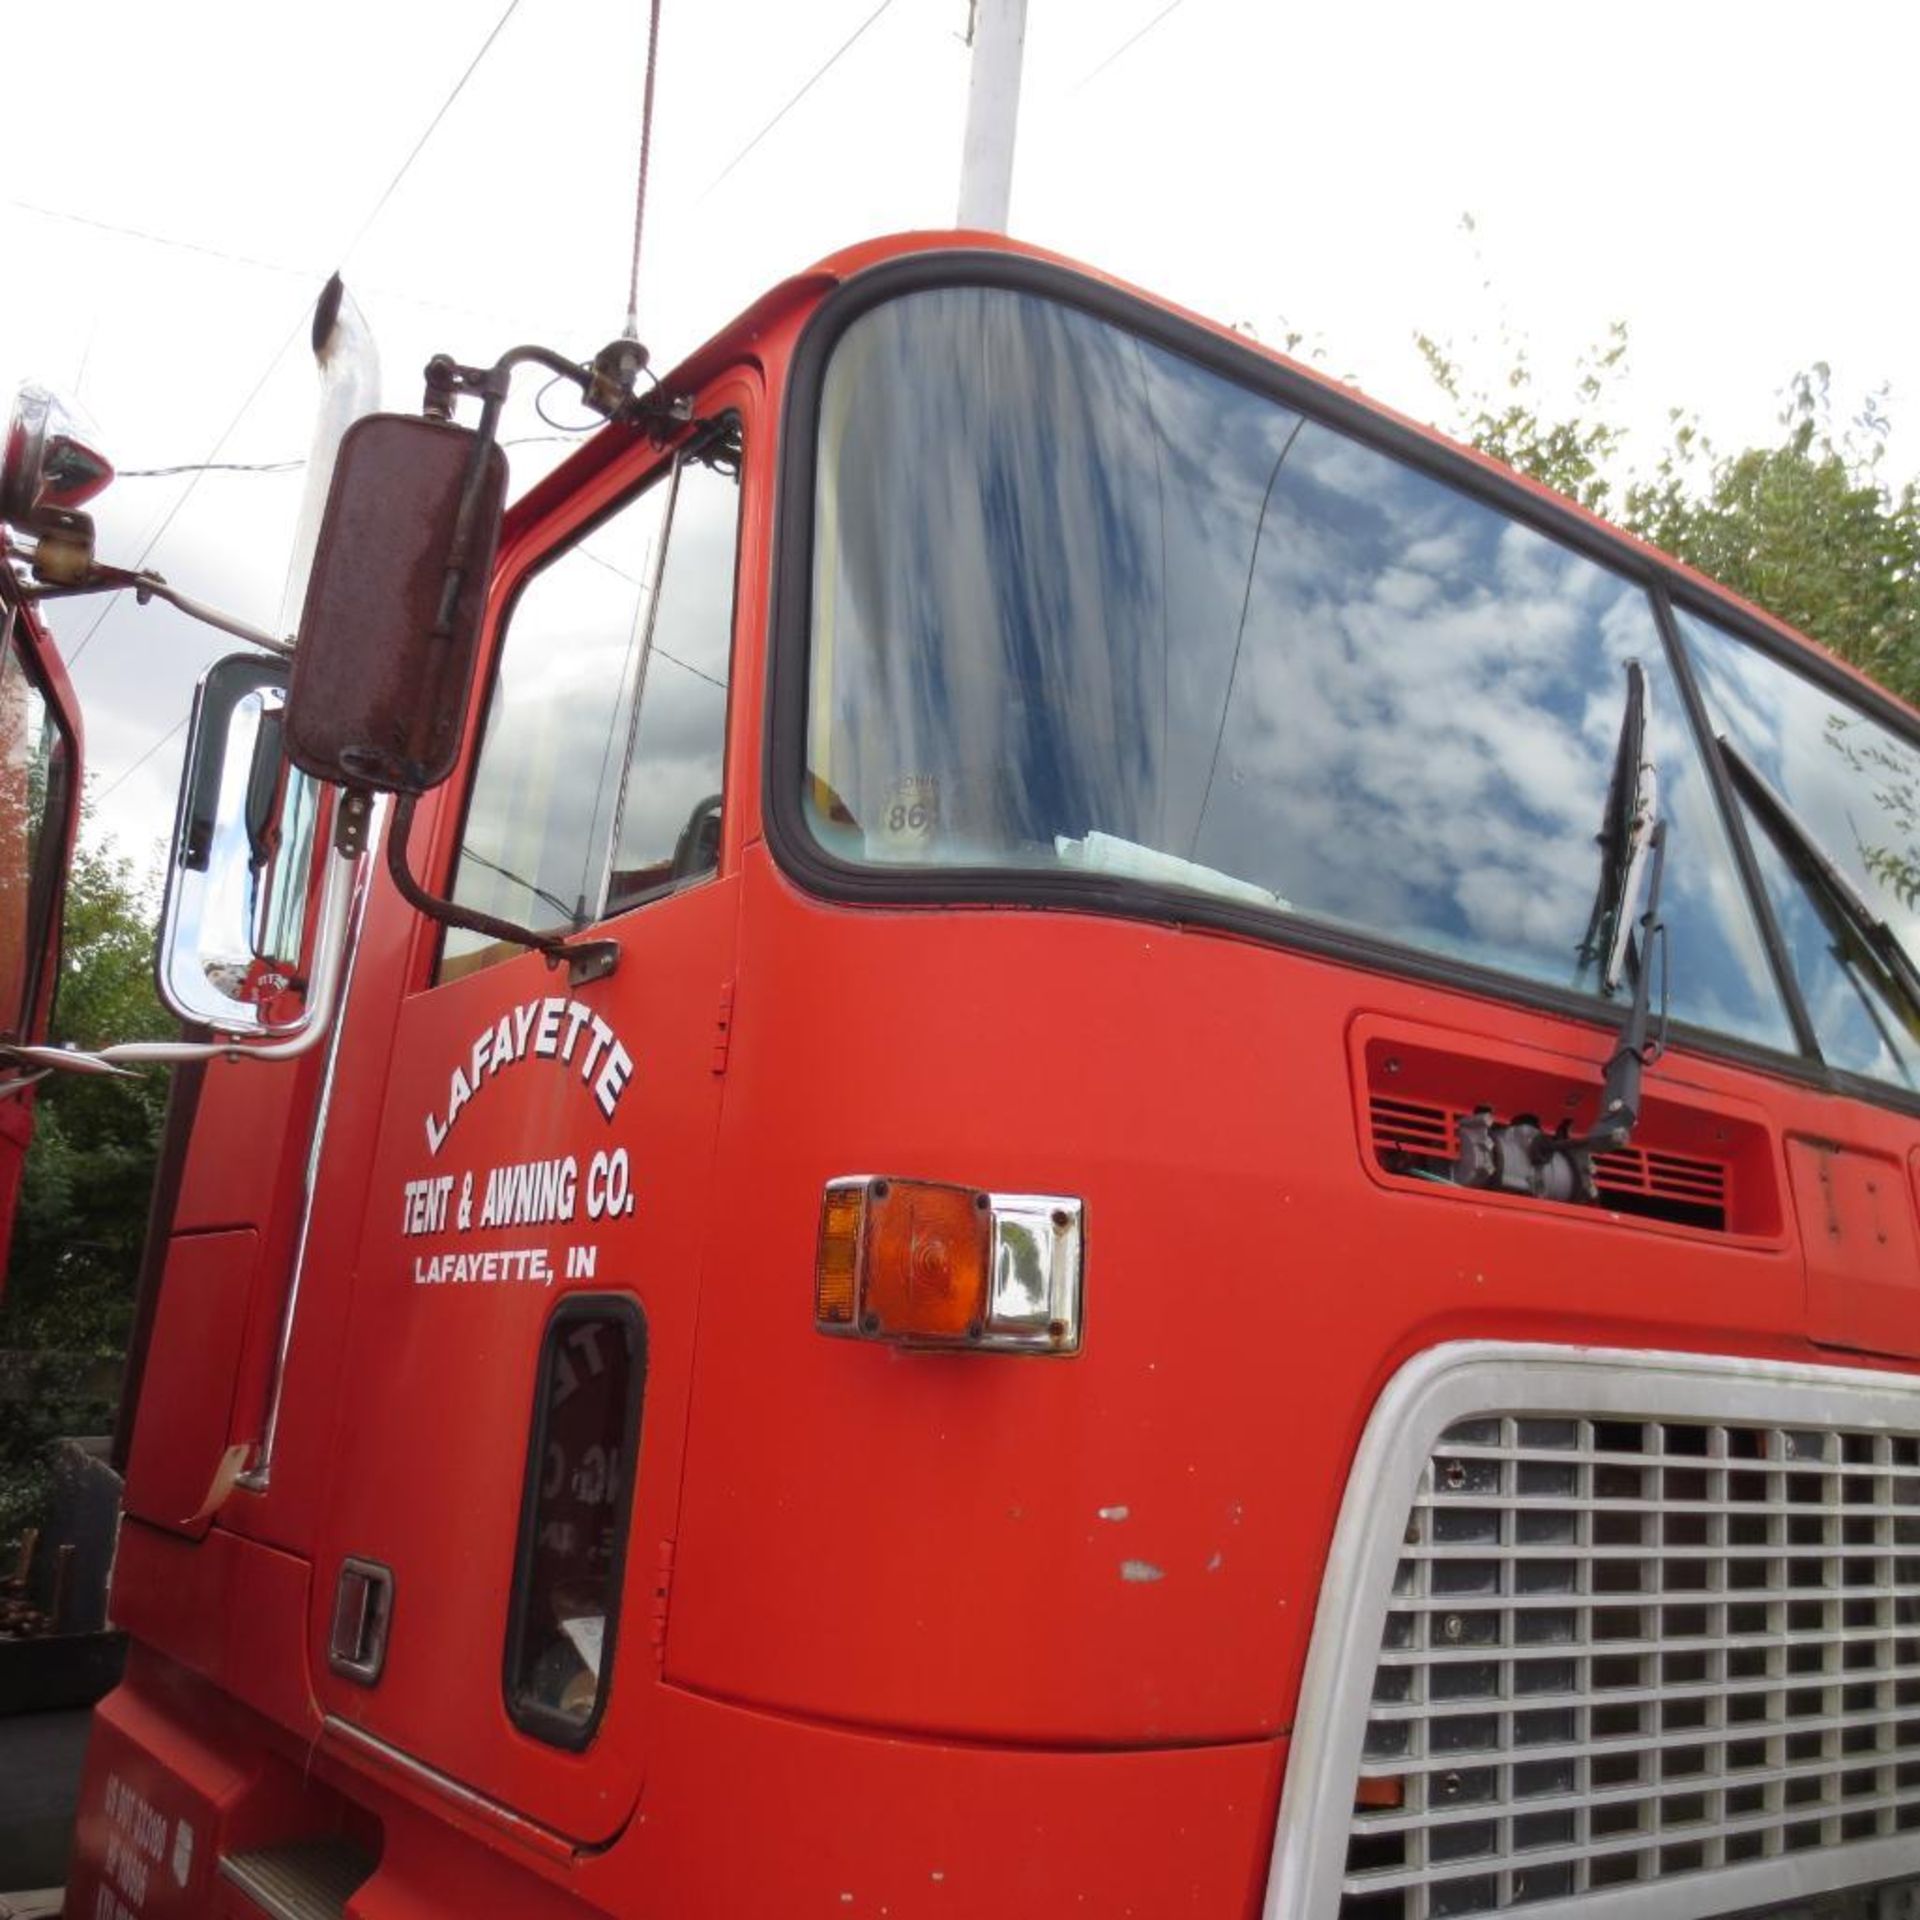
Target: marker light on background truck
[
  {"x": 47, "y": 474},
  {"x": 922, "y": 1264}
]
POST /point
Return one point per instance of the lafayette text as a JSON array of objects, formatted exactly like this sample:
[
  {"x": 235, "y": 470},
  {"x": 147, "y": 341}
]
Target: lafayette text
[{"x": 550, "y": 1029}]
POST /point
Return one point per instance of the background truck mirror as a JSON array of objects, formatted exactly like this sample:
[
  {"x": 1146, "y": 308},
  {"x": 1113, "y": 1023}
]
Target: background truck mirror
[
  {"x": 391, "y": 625},
  {"x": 240, "y": 868}
]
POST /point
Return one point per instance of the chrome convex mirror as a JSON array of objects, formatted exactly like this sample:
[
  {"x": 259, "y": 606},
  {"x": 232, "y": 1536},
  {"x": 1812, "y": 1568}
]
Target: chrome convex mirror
[
  {"x": 233, "y": 934},
  {"x": 253, "y": 932}
]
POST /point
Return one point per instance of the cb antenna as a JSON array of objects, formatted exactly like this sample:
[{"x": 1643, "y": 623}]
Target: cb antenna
[{"x": 632, "y": 331}]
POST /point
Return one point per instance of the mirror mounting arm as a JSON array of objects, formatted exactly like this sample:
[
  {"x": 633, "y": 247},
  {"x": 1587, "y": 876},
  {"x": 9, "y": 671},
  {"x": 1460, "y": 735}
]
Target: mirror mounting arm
[
  {"x": 606, "y": 384},
  {"x": 286, "y": 1043},
  {"x": 585, "y": 961},
  {"x": 150, "y": 586}
]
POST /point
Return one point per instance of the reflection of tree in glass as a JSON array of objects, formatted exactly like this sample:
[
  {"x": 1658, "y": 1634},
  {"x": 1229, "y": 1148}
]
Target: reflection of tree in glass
[{"x": 1894, "y": 774}]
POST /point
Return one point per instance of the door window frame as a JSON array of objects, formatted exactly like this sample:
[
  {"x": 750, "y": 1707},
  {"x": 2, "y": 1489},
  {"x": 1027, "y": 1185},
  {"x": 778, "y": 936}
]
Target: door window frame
[
  {"x": 557, "y": 513},
  {"x": 549, "y": 1726}
]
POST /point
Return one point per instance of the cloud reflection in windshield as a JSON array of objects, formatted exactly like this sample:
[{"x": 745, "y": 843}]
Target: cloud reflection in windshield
[{"x": 1069, "y": 583}]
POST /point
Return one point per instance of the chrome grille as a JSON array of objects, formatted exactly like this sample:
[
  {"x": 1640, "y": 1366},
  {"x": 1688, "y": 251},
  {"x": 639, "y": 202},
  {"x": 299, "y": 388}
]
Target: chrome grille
[{"x": 1620, "y": 1651}]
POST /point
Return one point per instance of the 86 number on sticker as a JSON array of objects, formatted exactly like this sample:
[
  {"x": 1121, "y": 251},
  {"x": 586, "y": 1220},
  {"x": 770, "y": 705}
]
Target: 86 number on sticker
[{"x": 911, "y": 815}]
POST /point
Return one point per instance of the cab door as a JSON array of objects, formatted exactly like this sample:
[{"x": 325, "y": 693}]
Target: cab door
[{"x": 512, "y": 1408}]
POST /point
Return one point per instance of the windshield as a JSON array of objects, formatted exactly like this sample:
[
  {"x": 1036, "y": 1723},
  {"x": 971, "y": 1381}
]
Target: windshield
[{"x": 1081, "y": 604}]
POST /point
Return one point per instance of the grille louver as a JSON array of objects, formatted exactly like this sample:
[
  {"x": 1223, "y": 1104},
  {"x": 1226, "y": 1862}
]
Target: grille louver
[{"x": 1623, "y": 1652}]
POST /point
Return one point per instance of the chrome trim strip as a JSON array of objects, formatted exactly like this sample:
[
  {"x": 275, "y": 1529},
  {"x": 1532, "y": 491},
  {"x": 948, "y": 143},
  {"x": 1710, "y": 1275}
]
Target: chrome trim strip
[
  {"x": 543, "y": 1839},
  {"x": 1456, "y": 1382},
  {"x": 259, "y": 1476}
]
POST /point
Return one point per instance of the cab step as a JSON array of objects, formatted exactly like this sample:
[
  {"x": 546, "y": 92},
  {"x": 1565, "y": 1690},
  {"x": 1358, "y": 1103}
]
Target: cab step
[{"x": 301, "y": 1879}]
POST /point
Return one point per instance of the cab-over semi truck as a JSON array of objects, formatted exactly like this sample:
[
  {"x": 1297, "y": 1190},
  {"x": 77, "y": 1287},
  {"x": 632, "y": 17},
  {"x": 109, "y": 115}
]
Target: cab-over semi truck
[{"x": 1051, "y": 1127}]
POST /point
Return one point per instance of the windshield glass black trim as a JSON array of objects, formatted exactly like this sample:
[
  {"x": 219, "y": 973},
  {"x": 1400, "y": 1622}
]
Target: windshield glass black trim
[{"x": 802, "y": 857}]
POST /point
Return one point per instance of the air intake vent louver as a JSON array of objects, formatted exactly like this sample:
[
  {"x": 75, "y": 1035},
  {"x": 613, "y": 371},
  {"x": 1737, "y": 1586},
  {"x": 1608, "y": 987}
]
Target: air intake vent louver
[
  {"x": 1411, "y": 1137},
  {"x": 1406, "y": 1127},
  {"x": 1624, "y": 1651}
]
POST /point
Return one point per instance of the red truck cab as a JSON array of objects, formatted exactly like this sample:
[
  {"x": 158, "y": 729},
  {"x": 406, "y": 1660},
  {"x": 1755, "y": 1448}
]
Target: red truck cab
[
  {"x": 1108, "y": 1265},
  {"x": 39, "y": 817}
]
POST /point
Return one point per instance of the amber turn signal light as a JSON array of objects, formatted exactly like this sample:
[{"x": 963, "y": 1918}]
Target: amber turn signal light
[{"x": 924, "y": 1263}]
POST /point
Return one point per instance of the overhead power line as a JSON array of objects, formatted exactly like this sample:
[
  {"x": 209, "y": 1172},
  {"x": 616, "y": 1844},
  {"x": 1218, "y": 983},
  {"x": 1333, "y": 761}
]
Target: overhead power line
[
  {"x": 201, "y": 468},
  {"x": 288, "y": 269},
  {"x": 120, "y": 779},
  {"x": 1127, "y": 45},
  {"x": 208, "y": 466},
  {"x": 199, "y": 471},
  {"x": 123, "y": 232},
  {"x": 432, "y": 127},
  {"x": 212, "y": 461},
  {"x": 839, "y": 52},
  {"x": 294, "y": 465}
]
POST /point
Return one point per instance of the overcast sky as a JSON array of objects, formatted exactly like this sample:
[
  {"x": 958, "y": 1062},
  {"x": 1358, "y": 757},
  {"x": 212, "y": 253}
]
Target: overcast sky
[{"x": 1735, "y": 182}]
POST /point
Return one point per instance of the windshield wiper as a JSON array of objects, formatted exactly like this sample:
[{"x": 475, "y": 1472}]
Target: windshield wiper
[
  {"x": 1626, "y": 838},
  {"x": 1845, "y": 907}
]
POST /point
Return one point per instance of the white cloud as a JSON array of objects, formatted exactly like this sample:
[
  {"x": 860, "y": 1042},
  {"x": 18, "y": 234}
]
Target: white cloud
[{"x": 1222, "y": 162}]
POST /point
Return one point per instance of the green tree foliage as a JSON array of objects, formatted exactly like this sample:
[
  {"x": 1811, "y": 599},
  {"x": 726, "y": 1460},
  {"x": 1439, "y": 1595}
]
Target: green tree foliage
[
  {"x": 1808, "y": 528},
  {"x": 1575, "y": 456},
  {"x": 83, "y": 1203}
]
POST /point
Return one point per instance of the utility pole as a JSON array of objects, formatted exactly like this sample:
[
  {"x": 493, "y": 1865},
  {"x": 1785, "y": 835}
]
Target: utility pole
[{"x": 993, "y": 113}]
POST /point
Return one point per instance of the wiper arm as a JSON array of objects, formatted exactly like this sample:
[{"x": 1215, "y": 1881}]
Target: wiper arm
[
  {"x": 1519, "y": 1155},
  {"x": 1842, "y": 901},
  {"x": 1626, "y": 839},
  {"x": 1620, "y": 1091}
]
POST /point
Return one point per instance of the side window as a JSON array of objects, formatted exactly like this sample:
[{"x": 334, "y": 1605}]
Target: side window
[
  {"x": 669, "y": 813},
  {"x": 573, "y": 1518},
  {"x": 1825, "y": 782},
  {"x": 599, "y": 779}
]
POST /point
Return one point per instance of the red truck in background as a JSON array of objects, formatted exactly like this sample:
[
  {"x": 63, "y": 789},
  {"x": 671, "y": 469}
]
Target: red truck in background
[
  {"x": 45, "y": 476},
  {"x": 1054, "y": 1127}
]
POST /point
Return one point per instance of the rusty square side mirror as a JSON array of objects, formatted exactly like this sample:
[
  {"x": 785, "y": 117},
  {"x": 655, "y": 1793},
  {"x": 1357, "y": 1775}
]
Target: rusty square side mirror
[{"x": 390, "y": 631}]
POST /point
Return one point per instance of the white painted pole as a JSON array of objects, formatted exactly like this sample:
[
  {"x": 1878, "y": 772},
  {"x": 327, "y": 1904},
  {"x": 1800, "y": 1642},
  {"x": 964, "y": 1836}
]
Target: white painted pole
[{"x": 993, "y": 113}]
